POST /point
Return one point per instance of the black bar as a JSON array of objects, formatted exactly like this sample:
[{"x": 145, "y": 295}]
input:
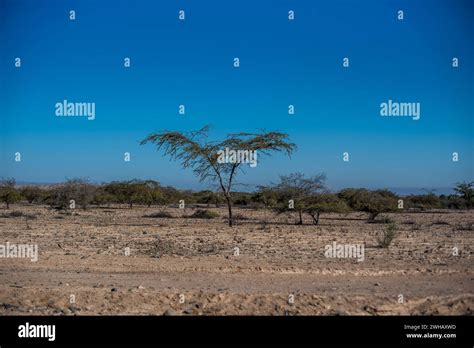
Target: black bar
[{"x": 290, "y": 331}]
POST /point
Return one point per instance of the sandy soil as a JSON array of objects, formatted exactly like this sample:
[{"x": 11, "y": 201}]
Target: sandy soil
[{"x": 184, "y": 266}]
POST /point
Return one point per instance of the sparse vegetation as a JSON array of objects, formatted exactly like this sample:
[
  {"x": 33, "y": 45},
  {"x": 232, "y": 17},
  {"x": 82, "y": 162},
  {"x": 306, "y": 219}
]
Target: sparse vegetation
[
  {"x": 17, "y": 213},
  {"x": 424, "y": 202},
  {"x": 204, "y": 214},
  {"x": 74, "y": 192},
  {"x": 308, "y": 195},
  {"x": 465, "y": 227},
  {"x": 8, "y": 192},
  {"x": 466, "y": 191},
  {"x": 32, "y": 194},
  {"x": 160, "y": 215},
  {"x": 371, "y": 202},
  {"x": 325, "y": 203},
  {"x": 295, "y": 193},
  {"x": 387, "y": 235},
  {"x": 194, "y": 151}
]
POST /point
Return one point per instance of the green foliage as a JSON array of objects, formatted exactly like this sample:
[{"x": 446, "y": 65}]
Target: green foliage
[
  {"x": 427, "y": 201},
  {"x": 325, "y": 203},
  {"x": 466, "y": 191},
  {"x": 170, "y": 195},
  {"x": 266, "y": 196},
  {"x": 208, "y": 197},
  {"x": 452, "y": 202},
  {"x": 81, "y": 191},
  {"x": 371, "y": 202},
  {"x": 242, "y": 198},
  {"x": 8, "y": 193},
  {"x": 194, "y": 151},
  {"x": 387, "y": 235},
  {"x": 307, "y": 196},
  {"x": 135, "y": 192},
  {"x": 33, "y": 194}
]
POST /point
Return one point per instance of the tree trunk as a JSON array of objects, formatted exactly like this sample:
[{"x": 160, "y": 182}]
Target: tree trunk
[
  {"x": 373, "y": 215},
  {"x": 229, "y": 207},
  {"x": 300, "y": 214},
  {"x": 8, "y": 205},
  {"x": 316, "y": 218}
]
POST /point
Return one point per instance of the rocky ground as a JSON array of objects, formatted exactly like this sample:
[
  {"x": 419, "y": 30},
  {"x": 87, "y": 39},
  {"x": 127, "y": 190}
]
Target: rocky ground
[{"x": 116, "y": 261}]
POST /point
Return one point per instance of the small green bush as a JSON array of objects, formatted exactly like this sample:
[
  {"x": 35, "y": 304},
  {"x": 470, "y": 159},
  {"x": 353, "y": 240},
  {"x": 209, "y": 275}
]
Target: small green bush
[{"x": 385, "y": 237}]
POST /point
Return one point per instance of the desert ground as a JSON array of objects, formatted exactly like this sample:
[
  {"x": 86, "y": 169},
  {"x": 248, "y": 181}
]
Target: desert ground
[{"x": 188, "y": 266}]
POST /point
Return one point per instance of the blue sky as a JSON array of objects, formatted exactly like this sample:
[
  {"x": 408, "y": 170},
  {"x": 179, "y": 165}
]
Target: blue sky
[{"x": 282, "y": 62}]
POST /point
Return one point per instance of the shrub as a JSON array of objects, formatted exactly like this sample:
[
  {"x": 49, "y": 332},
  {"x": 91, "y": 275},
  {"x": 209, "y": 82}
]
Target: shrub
[
  {"x": 17, "y": 213},
  {"x": 8, "y": 192},
  {"x": 383, "y": 220},
  {"x": 387, "y": 235},
  {"x": 453, "y": 202},
  {"x": 371, "y": 202},
  {"x": 204, "y": 214},
  {"x": 428, "y": 201},
  {"x": 79, "y": 190},
  {"x": 465, "y": 227},
  {"x": 160, "y": 214},
  {"x": 208, "y": 197},
  {"x": 466, "y": 192},
  {"x": 32, "y": 194},
  {"x": 240, "y": 217},
  {"x": 298, "y": 190},
  {"x": 242, "y": 198},
  {"x": 325, "y": 203}
]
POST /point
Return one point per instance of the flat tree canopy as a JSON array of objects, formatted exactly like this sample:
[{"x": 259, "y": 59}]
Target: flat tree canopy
[{"x": 194, "y": 150}]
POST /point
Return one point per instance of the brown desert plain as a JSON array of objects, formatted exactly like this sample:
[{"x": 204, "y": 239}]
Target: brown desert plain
[{"x": 189, "y": 266}]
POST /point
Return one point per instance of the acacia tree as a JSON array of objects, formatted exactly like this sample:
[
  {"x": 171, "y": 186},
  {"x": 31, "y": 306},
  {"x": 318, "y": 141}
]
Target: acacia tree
[
  {"x": 371, "y": 202},
  {"x": 80, "y": 190},
  {"x": 32, "y": 193},
  {"x": 208, "y": 197},
  {"x": 193, "y": 150},
  {"x": 466, "y": 191},
  {"x": 300, "y": 190},
  {"x": 325, "y": 203},
  {"x": 133, "y": 191},
  {"x": 267, "y": 197},
  {"x": 8, "y": 192}
]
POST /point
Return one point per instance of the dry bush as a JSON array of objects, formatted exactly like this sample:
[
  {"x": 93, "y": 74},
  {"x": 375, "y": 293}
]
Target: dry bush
[
  {"x": 160, "y": 214},
  {"x": 387, "y": 235},
  {"x": 17, "y": 213},
  {"x": 465, "y": 227},
  {"x": 204, "y": 214}
]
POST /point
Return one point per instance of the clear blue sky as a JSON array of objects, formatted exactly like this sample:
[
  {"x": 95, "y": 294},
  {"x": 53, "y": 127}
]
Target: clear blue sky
[{"x": 282, "y": 63}]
